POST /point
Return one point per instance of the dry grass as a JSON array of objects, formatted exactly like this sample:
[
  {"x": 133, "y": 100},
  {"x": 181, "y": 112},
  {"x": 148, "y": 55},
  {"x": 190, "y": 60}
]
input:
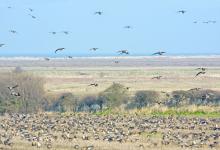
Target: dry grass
[{"x": 76, "y": 80}]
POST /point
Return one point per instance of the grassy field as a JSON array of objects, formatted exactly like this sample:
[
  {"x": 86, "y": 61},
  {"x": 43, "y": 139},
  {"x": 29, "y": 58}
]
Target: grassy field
[{"x": 76, "y": 80}]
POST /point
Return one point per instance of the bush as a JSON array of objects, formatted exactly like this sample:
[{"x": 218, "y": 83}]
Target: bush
[
  {"x": 89, "y": 104},
  {"x": 113, "y": 96},
  {"x": 31, "y": 89},
  {"x": 144, "y": 99},
  {"x": 67, "y": 102}
]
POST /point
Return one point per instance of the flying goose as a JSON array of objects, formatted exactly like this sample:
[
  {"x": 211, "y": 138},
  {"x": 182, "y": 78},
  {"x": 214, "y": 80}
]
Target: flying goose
[
  {"x": 59, "y": 49},
  {"x": 200, "y": 73},
  {"x": 53, "y": 32},
  {"x": 94, "y": 84},
  {"x": 123, "y": 52},
  {"x": 1, "y": 45},
  {"x": 157, "y": 77},
  {"x": 66, "y": 32},
  {"x": 128, "y": 27},
  {"x": 47, "y": 59},
  {"x": 159, "y": 53},
  {"x": 98, "y": 13},
  {"x": 32, "y": 16},
  {"x": 30, "y": 9},
  {"x": 201, "y": 68},
  {"x": 12, "y": 87},
  {"x": 13, "y": 93},
  {"x": 93, "y": 49},
  {"x": 181, "y": 11},
  {"x": 13, "y": 31}
]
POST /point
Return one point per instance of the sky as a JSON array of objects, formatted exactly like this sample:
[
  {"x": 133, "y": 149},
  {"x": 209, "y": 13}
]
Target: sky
[{"x": 156, "y": 26}]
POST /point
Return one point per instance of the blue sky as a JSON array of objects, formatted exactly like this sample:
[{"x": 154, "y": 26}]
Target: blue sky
[{"x": 156, "y": 26}]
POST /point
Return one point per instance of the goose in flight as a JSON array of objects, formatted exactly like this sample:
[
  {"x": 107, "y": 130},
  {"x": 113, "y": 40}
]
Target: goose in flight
[
  {"x": 94, "y": 84},
  {"x": 66, "y": 32},
  {"x": 13, "y": 31},
  {"x": 159, "y": 53},
  {"x": 201, "y": 68},
  {"x": 94, "y": 49},
  {"x": 17, "y": 94},
  {"x": 157, "y": 77},
  {"x": 12, "y": 87},
  {"x": 128, "y": 27},
  {"x": 59, "y": 49},
  {"x": 116, "y": 61},
  {"x": 30, "y": 9},
  {"x": 123, "y": 52},
  {"x": 1, "y": 45},
  {"x": 200, "y": 73},
  {"x": 98, "y": 13},
  {"x": 32, "y": 16},
  {"x": 53, "y": 32},
  {"x": 47, "y": 59},
  {"x": 181, "y": 11}
]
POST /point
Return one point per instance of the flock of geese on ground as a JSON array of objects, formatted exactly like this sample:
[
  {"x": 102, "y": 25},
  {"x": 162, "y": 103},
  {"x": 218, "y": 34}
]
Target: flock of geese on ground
[{"x": 89, "y": 132}]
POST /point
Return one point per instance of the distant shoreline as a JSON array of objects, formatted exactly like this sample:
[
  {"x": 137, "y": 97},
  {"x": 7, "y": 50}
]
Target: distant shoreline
[{"x": 108, "y": 57}]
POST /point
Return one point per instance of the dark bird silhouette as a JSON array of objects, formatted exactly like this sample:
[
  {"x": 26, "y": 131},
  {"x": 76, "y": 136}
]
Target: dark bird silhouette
[
  {"x": 93, "y": 49},
  {"x": 128, "y": 27},
  {"x": 70, "y": 57},
  {"x": 201, "y": 68},
  {"x": 159, "y": 53},
  {"x": 47, "y": 59},
  {"x": 12, "y": 87},
  {"x": 157, "y": 77},
  {"x": 195, "y": 21},
  {"x": 195, "y": 89},
  {"x": 206, "y": 22},
  {"x": 200, "y": 73},
  {"x": 123, "y": 52},
  {"x": 94, "y": 84},
  {"x": 59, "y": 49},
  {"x": 17, "y": 94},
  {"x": 30, "y": 9},
  {"x": 32, "y": 16},
  {"x": 53, "y": 32},
  {"x": 98, "y": 13},
  {"x": 182, "y": 11},
  {"x": 1, "y": 45},
  {"x": 9, "y": 7},
  {"x": 13, "y": 31},
  {"x": 116, "y": 61},
  {"x": 66, "y": 32}
]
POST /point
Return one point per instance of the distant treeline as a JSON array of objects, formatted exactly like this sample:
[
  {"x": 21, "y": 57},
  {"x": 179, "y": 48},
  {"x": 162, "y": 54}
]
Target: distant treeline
[{"x": 34, "y": 99}]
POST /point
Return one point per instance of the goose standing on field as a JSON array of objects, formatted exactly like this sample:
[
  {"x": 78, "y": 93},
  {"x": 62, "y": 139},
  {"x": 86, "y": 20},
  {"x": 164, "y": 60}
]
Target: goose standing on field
[
  {"x": 47, "y": 59},
  {"x": 13, "y": 93},
  {"x": 59, "y": 49}
]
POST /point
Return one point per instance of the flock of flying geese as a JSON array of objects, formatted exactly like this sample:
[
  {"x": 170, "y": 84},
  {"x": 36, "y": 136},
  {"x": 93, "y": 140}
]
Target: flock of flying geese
[{"x": 120, "y": 52}]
